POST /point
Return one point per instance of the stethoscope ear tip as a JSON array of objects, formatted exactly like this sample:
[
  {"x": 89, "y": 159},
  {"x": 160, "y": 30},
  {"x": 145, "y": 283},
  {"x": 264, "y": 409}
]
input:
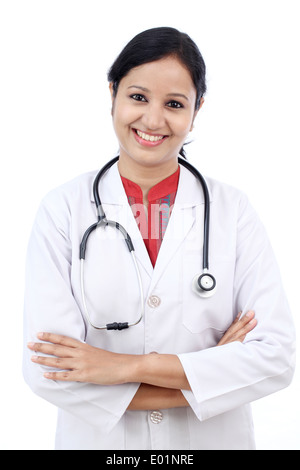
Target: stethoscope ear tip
[{"x": 204, "y": 285}]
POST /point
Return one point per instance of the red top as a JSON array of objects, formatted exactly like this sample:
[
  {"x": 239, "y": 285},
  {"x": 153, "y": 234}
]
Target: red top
[{"x": 161, "y": 199}]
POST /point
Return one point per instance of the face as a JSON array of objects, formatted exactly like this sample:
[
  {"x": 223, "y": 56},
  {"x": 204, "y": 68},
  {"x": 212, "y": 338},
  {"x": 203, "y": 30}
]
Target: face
[{"x": 153, "y": 112}]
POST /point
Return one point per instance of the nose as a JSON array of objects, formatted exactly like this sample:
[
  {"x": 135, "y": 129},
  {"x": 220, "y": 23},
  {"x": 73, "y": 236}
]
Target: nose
[{"x": 153, "y": 117}]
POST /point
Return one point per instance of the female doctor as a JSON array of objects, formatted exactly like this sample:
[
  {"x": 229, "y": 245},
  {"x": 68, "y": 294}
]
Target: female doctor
[{"x": 183, "y": 375}]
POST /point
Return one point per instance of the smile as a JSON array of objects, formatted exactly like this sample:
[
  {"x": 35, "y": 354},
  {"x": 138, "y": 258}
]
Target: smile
[
  {"x": 148, "y": 139},
  {"x": 151, "y": 138}
]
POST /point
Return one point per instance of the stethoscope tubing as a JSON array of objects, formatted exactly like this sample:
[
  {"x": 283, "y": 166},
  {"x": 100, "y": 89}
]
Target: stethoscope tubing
[
  {"x": 103, "y": 222},
  {"x": 197, "y": 174},
  {"x": 114, "y": 325}
]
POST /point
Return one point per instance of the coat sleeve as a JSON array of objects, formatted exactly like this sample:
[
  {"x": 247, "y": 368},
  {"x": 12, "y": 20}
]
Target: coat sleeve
[
  {"x": 225, "y": 377},
  {"x": 51, "y": 307}
]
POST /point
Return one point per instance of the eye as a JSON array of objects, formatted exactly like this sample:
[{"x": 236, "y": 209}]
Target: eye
[
  {"x": 174, "y": 104},
  {"x": 138, "y": 97}
]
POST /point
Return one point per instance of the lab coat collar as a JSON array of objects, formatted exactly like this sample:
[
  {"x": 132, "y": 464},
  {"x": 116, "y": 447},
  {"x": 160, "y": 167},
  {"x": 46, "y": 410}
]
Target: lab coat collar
[
  {"x": 189, "y": 193},
  {"x": 111, "y": 189}
]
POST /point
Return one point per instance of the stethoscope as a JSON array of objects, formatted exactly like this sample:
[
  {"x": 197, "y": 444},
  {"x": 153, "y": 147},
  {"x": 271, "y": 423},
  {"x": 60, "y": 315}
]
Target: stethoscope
[{"x": 203, "y": 284}]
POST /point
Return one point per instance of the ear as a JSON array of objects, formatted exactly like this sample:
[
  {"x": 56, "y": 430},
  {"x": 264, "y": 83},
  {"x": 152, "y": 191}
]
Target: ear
[
  {"x": 196, "y": 112},
  {"x": 201, "y": 103},
  {"x": 111, "y": 89},
  {"x": 112, "y": 96}
]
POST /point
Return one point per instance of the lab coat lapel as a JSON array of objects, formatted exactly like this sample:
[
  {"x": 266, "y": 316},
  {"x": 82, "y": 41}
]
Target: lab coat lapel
[
  {"x": 141, "y": 252},
  {"x": 179, "y": 226},
  {"x": 188, "y": 205}
]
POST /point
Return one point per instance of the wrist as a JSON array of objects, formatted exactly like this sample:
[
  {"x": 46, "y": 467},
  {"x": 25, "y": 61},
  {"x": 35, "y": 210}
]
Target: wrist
[
  {"x": 132, "y": 368},
  {"x": 143, "y": 369}
]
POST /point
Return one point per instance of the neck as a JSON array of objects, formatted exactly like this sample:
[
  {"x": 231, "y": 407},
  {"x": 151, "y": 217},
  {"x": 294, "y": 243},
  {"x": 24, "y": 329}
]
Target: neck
[{"x": 146, "y": 176}]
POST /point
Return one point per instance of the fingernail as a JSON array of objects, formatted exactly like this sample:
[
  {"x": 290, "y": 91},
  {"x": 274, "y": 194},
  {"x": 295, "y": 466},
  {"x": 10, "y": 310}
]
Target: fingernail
[
  {"x": 249, "y": 314},
  {"x": 30, "y": 345},
  {"x": 40, "y": 335}
]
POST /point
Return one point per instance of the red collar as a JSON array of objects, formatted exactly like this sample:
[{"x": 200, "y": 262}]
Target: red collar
[
  {"x": 160, "y": 190},
  {"x": 153, "y": 225}
]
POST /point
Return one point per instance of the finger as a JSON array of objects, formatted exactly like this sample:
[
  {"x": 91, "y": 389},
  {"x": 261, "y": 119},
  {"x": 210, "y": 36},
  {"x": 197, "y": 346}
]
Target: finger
[
  {"x": 59, "y": 339},
  {"x": 64, "y": 376},
  {"x": 239, "y": 323},
  {"x": 56, "y": 362},
  {"x": 239, "y": 329},
  {"x": 237, "y": 318},
  {"x": 247, "y": 317},
  {"x": 250, "y": 325},
  {"x": 241, "y": 334},
  {"x": 53, "y": 349}
]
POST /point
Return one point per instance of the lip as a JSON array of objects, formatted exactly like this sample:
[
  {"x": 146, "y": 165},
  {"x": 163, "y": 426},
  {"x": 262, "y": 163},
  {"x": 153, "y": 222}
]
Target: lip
[{"x": 148, "y": 143}]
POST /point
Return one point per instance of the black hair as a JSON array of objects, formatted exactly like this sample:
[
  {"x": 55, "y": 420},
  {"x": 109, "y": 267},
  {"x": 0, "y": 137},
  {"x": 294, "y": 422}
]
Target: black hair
[{"x": 154, "y": 44}]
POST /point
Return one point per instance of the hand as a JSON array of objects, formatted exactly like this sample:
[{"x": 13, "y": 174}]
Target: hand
[
  {"x": 79, "y": 362},
  {"x": 239, "y": 328}
]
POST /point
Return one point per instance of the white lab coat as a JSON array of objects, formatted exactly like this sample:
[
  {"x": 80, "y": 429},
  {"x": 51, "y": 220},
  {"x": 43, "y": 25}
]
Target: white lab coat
[{"x": 224, "y": 380}]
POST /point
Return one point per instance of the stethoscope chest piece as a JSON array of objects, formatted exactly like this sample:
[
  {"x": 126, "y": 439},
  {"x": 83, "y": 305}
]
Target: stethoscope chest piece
[{"x": 204, "y": 285}]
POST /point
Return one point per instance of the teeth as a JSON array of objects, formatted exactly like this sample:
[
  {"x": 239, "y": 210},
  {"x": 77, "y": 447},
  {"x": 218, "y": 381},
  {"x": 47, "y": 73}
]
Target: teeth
[{"x": 151, "y": 138}]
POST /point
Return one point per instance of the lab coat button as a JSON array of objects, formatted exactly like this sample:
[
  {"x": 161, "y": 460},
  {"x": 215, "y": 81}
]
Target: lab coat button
[
  {"x": 156, "y": 417},
  {"x": 154, "y": 301}
]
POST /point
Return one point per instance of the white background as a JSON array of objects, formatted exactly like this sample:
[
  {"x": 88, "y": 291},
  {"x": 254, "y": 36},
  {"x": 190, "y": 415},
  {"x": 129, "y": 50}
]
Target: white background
[{"x": 55, "y": 124}]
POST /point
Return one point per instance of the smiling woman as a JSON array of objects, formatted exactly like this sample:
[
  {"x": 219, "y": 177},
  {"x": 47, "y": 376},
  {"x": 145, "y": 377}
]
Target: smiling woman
[{"x": 183, "y": 376}]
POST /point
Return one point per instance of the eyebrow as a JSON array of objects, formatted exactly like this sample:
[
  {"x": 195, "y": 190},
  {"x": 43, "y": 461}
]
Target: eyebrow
[
  {"x": 177, "y": 95},
  {"x": 139, "y": 88}
]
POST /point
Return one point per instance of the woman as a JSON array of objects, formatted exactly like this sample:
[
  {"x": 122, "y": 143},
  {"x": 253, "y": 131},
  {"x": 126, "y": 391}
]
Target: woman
[{"x": 184, "y": 376}]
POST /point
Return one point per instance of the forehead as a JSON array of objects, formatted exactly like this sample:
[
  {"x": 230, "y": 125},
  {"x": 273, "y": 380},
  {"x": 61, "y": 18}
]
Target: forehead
[{"x": 165, "y": 74}]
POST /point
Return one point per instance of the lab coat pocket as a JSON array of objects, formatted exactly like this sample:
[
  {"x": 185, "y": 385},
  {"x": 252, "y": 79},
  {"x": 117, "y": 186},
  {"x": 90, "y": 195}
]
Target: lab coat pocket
[{"x": 202, "y": 315}]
